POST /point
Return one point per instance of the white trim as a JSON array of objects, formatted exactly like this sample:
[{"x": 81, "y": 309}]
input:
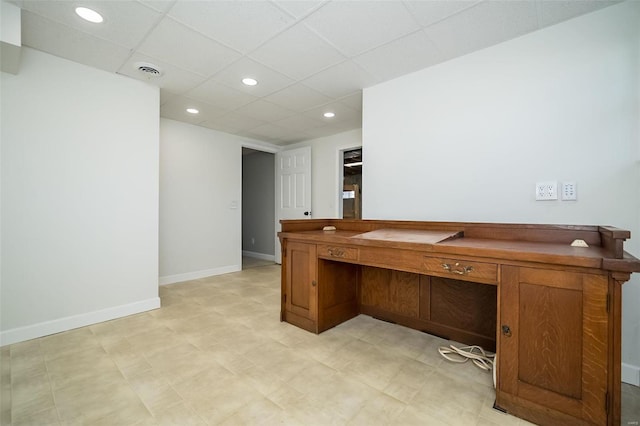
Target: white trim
[
  {"x": 46, "y": 328},
  {"x": 267, "y": 147},
  {"x": 187, "y": 276},
  {"x": 631, "y": 374},
  {"x": 261, "y": 256}
]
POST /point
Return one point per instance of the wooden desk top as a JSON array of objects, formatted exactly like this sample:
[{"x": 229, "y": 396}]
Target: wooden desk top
[{"x": 529, "y": 243}]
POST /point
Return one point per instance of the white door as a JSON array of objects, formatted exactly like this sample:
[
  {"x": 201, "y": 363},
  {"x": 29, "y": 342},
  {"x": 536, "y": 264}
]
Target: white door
[{"x": 293, "y": 188}]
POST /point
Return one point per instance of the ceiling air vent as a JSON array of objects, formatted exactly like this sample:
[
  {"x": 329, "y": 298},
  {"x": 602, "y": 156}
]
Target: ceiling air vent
[{"x": 148, "y": 69}]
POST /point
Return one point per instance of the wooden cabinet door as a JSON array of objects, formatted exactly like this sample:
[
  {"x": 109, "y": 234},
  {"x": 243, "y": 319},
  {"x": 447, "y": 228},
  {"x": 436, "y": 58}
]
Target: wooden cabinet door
[
  {"x": 301, "y": 285},
  {"x": 553, "y": 344}
]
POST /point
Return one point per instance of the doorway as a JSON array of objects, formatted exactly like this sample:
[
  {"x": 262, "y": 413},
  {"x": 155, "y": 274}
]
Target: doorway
[
  {"x": 258, "y": 208},
  {"x": 352, "y": 184}
]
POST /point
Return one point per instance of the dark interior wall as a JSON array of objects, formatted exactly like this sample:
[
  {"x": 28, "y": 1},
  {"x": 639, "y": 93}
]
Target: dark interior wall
[{"x": 258, "y": 203}]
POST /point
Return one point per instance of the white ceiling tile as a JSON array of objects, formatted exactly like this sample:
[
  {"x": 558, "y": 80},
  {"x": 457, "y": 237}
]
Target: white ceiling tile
[
  {"x": 298, "y": 97},
  {"x": 242, "y": 25},
  {"x": 176, "y": 109},
  {"x": 173, "y": 79},
  {"x": 341, "y": 111},
  {"x": 269, "y": 130},
  {"x": 166, "y": 96},
  {"x": 180, "y": 46},
  {"x": 483, "y": 25},
  {"x": 263, "y": 110},
  {"x": 432, "y": 11},
  {"x": 350, "y": 124},
  {"x": 60, "y": 40},
  {"x": 229, "y": 125},
  {"x": 300, "y": 123},
  {"x": 553, "y": 11},
  {"x": 239, "y": 121},
  {"x": 341, "y": 80},
  {"x": 254, "y": 136},
  {"x": 269, "y": 81},
  {"x": 297, "y": 52},
  {"x": 320, "y": 132},
  {"x": 219, "y": 125},
  {"x": 159, "y": 5},
  {"x": 402, "y": 56},
  {"x": 299, "y": 8},
  {"x": 353, "y": 101},
  {"x": 218, "y": 94},
  {"x": 357, "y": 26},
  {"x": 125, "y": 22}
]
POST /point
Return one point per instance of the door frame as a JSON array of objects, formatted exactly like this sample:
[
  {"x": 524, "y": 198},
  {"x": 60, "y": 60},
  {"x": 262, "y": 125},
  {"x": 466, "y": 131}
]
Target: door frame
[
  {"x": 340, "y": 154},
  {"x": 256, "y": 147}
]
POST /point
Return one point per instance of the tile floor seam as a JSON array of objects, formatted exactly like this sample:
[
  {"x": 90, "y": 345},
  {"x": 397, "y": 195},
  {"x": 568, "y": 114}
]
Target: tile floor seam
[{"x": 53, "y": 394}]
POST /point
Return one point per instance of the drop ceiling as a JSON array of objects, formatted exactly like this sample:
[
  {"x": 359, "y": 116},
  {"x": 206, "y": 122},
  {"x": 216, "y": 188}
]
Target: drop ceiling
[{"x": 309, "y": 57}]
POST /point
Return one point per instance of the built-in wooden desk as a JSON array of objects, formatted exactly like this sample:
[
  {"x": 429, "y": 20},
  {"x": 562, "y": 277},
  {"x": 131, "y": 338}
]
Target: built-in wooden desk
[{"x": 551, "y": 311}]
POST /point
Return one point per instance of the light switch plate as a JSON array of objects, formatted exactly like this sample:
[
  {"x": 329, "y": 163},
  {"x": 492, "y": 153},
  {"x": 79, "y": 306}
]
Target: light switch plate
[{"x": 569, "y": 191}]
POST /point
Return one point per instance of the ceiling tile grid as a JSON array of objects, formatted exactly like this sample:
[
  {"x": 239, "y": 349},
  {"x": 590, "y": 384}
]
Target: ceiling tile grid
[
  {"x": 309, "y": 57},
  {"x": 364, "y": 26},
  {"x": 182, "y": 47},
  {"x": 298, "y": 52},
  {"x": 241, "y": 25},
  {"x": 68, "y": 43}
]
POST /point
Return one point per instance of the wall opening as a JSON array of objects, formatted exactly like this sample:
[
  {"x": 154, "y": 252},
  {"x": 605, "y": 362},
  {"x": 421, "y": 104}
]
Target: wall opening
[
  {"x": 258, "y": 208},
  {"x": 352, "y": 184}
]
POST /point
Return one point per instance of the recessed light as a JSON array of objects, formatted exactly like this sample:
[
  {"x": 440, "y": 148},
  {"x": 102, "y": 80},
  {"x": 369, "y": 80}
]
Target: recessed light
[
  {"x": 249, "y": 81},
  {"x": 89, "y": 15},
  {"x": 329, "y": 114},
  {"x": 192, "y": 111}
]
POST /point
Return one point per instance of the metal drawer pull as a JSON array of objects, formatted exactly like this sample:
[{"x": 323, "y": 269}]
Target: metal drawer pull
[
  {"x": 336, "y": 252},
  {"x": 457, "y": 268}
]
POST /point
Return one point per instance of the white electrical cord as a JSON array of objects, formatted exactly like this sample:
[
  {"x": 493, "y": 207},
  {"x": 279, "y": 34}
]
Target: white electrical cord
[{"x": 477, "y": 355}]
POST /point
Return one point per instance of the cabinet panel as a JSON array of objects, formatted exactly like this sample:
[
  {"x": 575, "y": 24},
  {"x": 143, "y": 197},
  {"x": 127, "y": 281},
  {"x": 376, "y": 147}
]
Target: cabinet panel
[
  {"x": 553, "y": 360},
  {"x": 392, "y": 291},
  {"x": 464, "y": 305},
  {"x": 554, "y": 328},
  {"x": 337, "y": 293},
  {"x": 301, "y": 281}
]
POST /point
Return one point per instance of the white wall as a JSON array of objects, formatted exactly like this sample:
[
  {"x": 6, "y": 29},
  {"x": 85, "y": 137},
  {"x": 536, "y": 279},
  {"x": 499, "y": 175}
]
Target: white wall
[
  {"x": 466, "y": 140},
  {"x": 79, "y": 197},
  {"x": 325, "y": 170},
  {"x": 200, "y": 202}
]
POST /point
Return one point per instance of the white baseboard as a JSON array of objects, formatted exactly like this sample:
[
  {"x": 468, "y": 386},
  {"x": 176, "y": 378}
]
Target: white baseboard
[
  {"x": 46, "y": 328},
  {"x": 261, "y": 256},
  {"x": 631, "y": 374},
  {"x": 170, "y": 279}
]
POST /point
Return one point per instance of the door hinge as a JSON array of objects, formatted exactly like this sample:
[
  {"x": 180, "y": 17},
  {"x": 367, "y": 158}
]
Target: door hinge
[
  {"x": 285, "y": 298},
  {"x": 608, "y": 302},
  {"x": 606, "y": 402}
]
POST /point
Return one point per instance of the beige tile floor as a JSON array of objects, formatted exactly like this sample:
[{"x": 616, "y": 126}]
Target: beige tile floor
[
  {"x": 252, "y": 262},
  {"x": 216, "y": 353}
]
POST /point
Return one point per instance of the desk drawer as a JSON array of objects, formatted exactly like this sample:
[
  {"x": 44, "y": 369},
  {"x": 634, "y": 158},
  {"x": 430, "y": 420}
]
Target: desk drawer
[
  {"x": 338, "y": 252},
  {"x": 462, "y": 269}
]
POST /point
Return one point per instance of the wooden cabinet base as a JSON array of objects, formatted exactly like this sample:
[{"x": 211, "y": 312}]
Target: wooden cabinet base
[
  {"x": 536, "y": 413},
  {"x": 551, "y": 311}
]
